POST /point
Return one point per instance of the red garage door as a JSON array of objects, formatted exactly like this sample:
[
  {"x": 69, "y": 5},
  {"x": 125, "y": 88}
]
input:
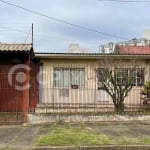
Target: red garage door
[{"x": 10, "y": 97}]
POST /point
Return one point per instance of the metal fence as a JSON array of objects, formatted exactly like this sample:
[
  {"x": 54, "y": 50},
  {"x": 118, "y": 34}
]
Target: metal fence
[{"x": 66, "y": 87}]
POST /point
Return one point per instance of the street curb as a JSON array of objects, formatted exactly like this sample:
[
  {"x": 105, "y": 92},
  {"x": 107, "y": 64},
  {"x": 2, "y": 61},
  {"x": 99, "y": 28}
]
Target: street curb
[{"x": 108, "y": 147}]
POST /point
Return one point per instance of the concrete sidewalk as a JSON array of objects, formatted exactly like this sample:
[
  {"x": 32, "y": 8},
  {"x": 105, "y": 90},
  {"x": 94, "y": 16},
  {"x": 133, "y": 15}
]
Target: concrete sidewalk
[{"x": 19, "y": 137}]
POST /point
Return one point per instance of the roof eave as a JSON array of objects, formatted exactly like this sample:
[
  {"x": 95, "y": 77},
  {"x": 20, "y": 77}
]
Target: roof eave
[{"x": 89, "y": 56}]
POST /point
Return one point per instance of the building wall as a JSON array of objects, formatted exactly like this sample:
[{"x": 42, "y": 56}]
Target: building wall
[
  {"x": 90, "y": 93},
  {"x": 11, "y": 99}
]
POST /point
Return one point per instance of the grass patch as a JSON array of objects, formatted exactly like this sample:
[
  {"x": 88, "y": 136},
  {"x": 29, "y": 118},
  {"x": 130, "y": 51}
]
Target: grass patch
[
  {"x": 133, "y": 141},
  {"x": 71, "y": 135}
]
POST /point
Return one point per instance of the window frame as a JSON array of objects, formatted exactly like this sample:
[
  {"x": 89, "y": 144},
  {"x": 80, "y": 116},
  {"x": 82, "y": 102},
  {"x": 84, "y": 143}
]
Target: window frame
[
  {"x": 71, "y": 77},
  {"x": 104, "y": 71},
  {"x": 123, "y": 78},
  {"x": 141, "y": 77},
  {"x": 133, "y": 73}
]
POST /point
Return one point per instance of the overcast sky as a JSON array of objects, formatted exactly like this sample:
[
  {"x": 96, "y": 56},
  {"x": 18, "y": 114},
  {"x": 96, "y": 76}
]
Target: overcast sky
[{"x": 128, "y": 20}]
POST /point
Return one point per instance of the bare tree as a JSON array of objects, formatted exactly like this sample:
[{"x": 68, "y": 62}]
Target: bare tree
[{"x": 116, "y": 81}]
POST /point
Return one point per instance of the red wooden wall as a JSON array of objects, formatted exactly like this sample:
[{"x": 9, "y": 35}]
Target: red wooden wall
[{"x": 10, "y": 98}]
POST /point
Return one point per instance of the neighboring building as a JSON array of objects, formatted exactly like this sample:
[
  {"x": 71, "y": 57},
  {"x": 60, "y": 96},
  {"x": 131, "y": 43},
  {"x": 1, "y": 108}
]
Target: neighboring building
[
  {"x": 107, "y": 48},
  {"x": 74, "y": 48},
  {"x": 134, "y": 44},
  {"x": 15, "y": 96},
  {"x": 147, "y": 34},
  {"x": 125, "y": 49}
]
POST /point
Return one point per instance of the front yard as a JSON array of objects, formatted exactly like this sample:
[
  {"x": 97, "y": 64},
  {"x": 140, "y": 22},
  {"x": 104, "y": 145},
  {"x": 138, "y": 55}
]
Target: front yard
[{"x": 92, "y": 135}]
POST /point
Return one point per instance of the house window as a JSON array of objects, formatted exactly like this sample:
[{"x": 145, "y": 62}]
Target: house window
[
  {"x": 69, "y": 77},
  {"x": 102, "y": 74},
  {"x": 138, "y": 76},
  {"x": 123, "y": 75}
]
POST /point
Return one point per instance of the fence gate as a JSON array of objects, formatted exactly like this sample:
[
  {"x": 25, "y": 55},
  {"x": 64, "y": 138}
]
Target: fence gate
[{"x": 10, "y": 98}]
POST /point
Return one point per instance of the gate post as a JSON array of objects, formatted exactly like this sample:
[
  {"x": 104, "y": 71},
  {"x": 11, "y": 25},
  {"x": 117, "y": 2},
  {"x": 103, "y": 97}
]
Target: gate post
[{"x": 26, "y": 92}]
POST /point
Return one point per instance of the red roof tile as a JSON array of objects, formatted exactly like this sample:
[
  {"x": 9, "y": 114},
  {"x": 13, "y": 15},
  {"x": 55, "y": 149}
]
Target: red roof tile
[{"x": 132, "y": 49}]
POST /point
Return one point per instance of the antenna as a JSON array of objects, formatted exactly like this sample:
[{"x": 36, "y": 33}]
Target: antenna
[{"x": 32, "y": 34}]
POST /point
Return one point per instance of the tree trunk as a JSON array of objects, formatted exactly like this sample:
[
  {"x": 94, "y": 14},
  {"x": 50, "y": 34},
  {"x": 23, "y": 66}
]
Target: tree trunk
[{"x": 119, "y": 107}]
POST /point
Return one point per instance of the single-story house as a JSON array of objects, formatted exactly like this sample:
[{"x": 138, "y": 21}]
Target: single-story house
[{"x": 68, "y": 81}]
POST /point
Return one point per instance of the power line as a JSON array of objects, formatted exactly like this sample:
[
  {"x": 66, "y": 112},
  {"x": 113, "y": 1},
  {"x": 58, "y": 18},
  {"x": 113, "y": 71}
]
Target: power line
[
  {"x": 46, "y": 37},
  {"x": 16, "y": 30},
  {"x": 62, "y": 21},
  {"x": 127, "y": 1},
  {"x": 12, "y": 29},
  {"x": 28, "y": 35}
]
